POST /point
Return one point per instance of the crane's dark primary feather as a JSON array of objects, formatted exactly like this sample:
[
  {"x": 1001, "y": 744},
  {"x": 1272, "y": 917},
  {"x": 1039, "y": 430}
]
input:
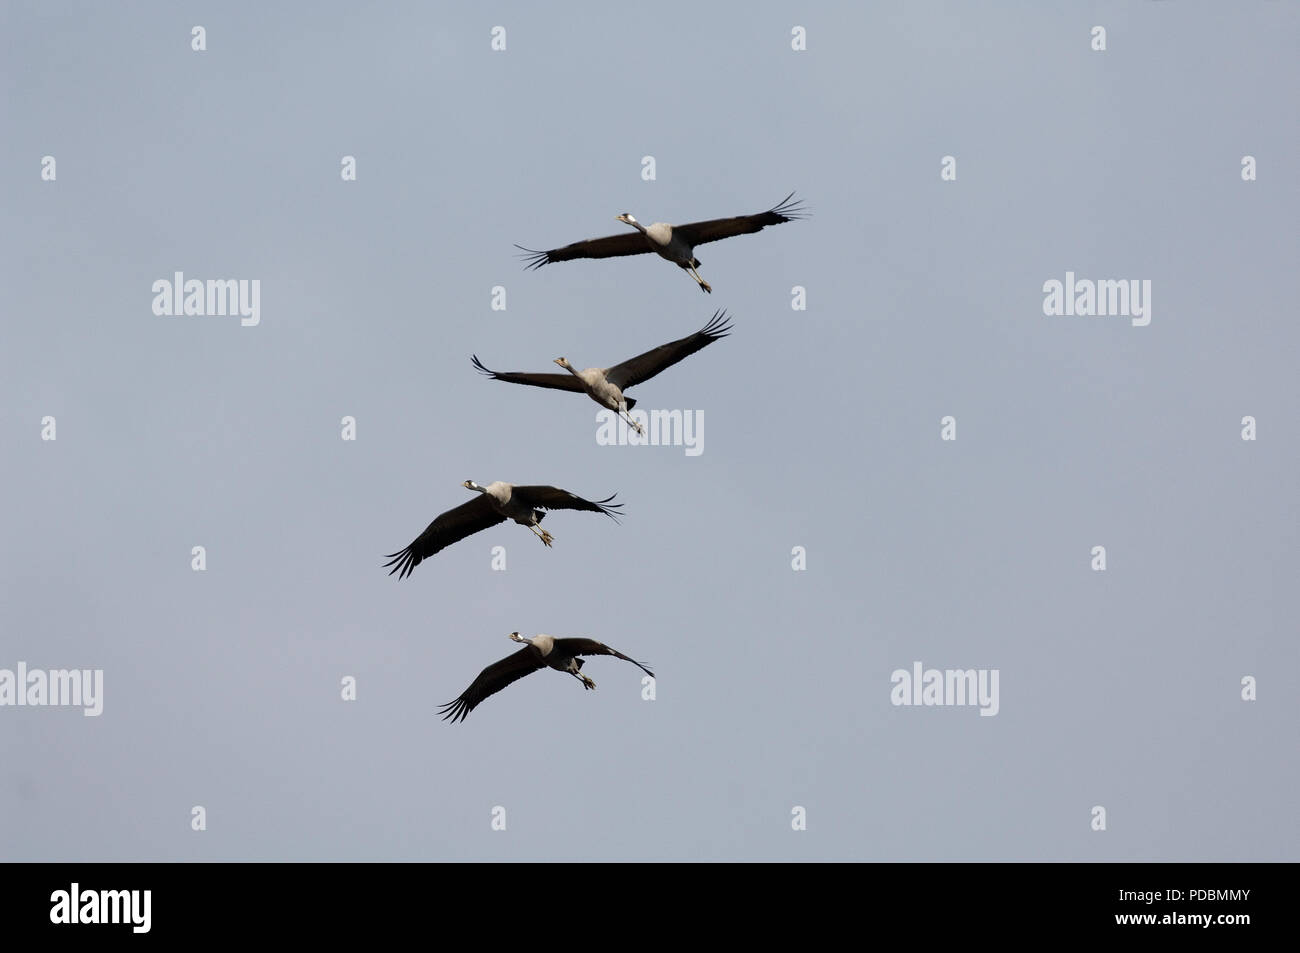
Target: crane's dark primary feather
[{"x": 533, "y": 259}]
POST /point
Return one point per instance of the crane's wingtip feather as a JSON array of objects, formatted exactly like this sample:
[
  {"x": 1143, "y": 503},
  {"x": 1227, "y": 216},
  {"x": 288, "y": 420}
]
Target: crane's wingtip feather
[
  {"x": 402, "y": 563},
  {"x": 534, "y": 257},
  {"x": 791, "y": 211},
  {"x": 454, "y": 711},
  {"x": 609, "y": 508},
  {"x": 719, "y": 325}
]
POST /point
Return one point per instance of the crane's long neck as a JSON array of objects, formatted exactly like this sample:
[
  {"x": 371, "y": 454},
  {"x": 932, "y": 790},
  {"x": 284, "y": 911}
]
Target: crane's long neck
[{"x": 543, "y": 643}]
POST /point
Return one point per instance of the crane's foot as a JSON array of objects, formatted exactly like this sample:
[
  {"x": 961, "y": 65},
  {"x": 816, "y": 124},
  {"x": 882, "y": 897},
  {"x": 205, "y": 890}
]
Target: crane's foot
[
  {"x": 704, "y": 286},
  {"x": 586, "y": 682},
  {"x": 547, "y": 538}
]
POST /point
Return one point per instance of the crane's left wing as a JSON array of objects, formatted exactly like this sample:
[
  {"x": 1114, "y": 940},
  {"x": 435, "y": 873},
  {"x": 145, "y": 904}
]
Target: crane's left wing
[
  {"x": 715, "y": 229},
  {"x": 647, "y": 365},
  {"x": 592, "y": 647}
]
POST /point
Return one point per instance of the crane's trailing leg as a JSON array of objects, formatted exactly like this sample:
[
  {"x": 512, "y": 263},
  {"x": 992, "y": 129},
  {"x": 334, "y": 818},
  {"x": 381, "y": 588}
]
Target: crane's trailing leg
[
  {"x": 541, "y": 534},
  {"x": 704, "y": 285},
  {"x": 575, "y": 669},
  {"x": 630, "y": 422}
]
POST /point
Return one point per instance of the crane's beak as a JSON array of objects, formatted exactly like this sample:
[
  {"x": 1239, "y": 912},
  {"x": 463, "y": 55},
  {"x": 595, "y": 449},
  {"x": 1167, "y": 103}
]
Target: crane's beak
[{"x": 560, "y": 361}]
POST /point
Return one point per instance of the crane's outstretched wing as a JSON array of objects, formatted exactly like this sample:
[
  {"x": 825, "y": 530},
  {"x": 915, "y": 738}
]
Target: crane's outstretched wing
[
  {"x": 715, "y": 229},
  {"x": 553, "y": 498},
  {"x": 611, "y": 246},
  {"x": 592, "y": 647},
  {"x": 647, "y": 365},
  {"x": 451, "y": 527},
  {"x": 554, "y": 381},
  {"x": 491, "y": 680}
]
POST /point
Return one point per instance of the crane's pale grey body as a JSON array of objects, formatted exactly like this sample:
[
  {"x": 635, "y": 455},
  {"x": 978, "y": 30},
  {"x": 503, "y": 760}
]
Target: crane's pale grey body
[
  {"x": 667, "y": 245},
  {"x": 670, "y": 245},
  {"x": 598, "y": 386},
  {"x": 560, "y": 661},
  {"x": 503, "y": 501}
]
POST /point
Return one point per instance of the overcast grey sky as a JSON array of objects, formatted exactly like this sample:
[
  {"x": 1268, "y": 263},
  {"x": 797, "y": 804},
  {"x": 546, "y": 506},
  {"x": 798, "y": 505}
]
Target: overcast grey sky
[{"x": 1120, "y": 689}]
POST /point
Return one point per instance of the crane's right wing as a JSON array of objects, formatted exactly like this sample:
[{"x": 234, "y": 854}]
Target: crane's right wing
[
  {"x": 491, "y": 680},
  {"x": 553, "y": 381},
  {"x": 451, "y": 527},
  {"x": 592, "y": 647},
  {"x": 554, "y": 498},
  {"x": 716, "y": 229},
  {"x": 611, "y": 246}
]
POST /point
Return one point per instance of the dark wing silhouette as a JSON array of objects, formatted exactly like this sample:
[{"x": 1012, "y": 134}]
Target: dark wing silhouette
[
  {"x": 715, "y": 229},
  {"x": 553, "y": 498},
  {"x": 611, "y": 246},
  {"x": 491, "y": 680},
  {"x": 592, "y": 647},
  {"x": 554, "y": 381},
  {"x": 451, "y": 527},
  {"x": 647, "y": 365}
]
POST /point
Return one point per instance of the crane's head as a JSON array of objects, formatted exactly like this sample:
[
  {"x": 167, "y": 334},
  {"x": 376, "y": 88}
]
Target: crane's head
[
  {"x": 516, "y": 637},
  {"x": 471, "y": 485},
  {"x": 564, "y": 363},
  {"x": 626, "y": 218}
]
